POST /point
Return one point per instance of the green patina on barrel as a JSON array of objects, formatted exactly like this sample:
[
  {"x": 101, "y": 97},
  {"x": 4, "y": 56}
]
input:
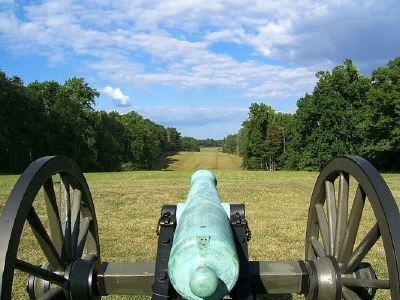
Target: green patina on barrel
[{"x": 203, "y": 263}]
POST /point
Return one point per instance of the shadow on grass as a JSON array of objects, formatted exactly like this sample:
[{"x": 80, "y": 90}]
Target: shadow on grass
[{"x": 166, "y": 160}]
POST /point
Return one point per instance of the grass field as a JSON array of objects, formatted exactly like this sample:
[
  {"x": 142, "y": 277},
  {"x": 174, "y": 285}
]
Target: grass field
[
  {"x": 207, "y": 158},
  {"x": 128, "y": 206}
]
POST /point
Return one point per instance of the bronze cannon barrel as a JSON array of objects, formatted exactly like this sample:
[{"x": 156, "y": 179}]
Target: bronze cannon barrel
[{"x": 203, "y": 261}]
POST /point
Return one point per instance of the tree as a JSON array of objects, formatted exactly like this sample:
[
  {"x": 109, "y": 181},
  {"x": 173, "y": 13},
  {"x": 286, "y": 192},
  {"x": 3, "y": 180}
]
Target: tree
[
  {"x": 46, "y": 118},
  {"x": 110, "y": 141},
  {"x": 253, "y": 148},
  {"x": 146, "y": 141},
  {"x": 22, "y": 121},
  {"x": 190, "y": 144},
  {"x": 273, "y": 145},
  {"x": 229, "y": 144},
  {"x": 381, "y": 123},
  {"x": 174, "y": 139},
  {"x": 74, "y": 107},
  {"x": 50, "y": 124},
  {"x": 210, "y": 143},
  {"x": 328, "y": 120},
  {"x": 285, "y": 131}
]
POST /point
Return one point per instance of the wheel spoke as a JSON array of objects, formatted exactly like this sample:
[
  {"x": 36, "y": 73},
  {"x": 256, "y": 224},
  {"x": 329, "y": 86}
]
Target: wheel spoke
[
  {"x": 332, "y": 214},
  {"x": 361, "y": 230},
  {"x": 84, "y": 231},
  {"x": 352, "y": 226},
  {"x": 363, "y": 248},
  {"x": 343, "y": 203},
  {"x": 39, "y": 272},
  {"x": 44, "y": 240},
  {"x": 75, "y": 220},
  {"x": 53, "y": 215},
  {"x": 317, "y": 247},
  {"x": 366, "y": 283},
  {"x": 63, "y": 224},
  {"x": 52, "y": 293},
  {"x": 65, "y": 212},
  {"x": 323, "y": 225}
]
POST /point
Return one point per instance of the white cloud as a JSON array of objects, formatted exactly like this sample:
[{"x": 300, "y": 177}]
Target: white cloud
[
  {"x": 167, "y": 42},
  {"x": 117, "y": 96},
  {"x": 146, "y": 45}
]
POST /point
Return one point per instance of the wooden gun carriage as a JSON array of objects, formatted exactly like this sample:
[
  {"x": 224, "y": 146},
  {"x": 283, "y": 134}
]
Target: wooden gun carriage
[{"x": 202, "y": 245}]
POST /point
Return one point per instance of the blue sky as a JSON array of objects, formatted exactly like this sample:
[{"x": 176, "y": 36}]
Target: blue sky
[{"x": 195, "y": 65}]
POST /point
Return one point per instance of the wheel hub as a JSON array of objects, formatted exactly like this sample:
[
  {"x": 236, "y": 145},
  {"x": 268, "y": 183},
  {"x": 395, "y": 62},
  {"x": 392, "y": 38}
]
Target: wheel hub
[
  {"x": 325, "y": 279},
  {"x": 80, "y": 278},
  {"x": 364, "y": 271},
  {"x": 37, "y": 287}
]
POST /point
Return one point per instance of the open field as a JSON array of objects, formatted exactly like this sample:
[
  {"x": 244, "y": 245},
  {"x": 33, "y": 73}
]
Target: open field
[
  {"x": 128, "y": 206},
  {"x": 207, "y": 158}
]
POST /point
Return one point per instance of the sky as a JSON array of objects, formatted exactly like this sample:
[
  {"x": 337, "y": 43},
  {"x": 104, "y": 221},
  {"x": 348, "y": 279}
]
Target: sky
[{"x": 196, "y": 65}]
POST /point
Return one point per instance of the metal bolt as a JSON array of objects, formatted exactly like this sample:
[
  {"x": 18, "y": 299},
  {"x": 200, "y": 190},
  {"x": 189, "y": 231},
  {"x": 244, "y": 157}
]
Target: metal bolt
[
  {"x": 165, "y": 240},
  {"x": 162, "y": 275}
]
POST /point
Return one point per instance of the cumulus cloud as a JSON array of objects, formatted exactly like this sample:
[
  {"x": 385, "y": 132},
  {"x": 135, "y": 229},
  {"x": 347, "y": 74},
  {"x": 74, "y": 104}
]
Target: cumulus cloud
[
  {"x": 168, "y": 42},
  {"x": 116, "y": 94},
  {"x": 169, "y": 45}
]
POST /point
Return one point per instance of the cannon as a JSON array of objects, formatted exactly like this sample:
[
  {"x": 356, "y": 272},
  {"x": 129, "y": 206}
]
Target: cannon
[{"x": 202, "y": 250}]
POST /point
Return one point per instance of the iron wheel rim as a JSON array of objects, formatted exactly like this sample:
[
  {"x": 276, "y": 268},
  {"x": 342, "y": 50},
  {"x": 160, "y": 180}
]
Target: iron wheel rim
[
  {"x": 74, "y": 216},
  {"x": 372, "y": 187}
]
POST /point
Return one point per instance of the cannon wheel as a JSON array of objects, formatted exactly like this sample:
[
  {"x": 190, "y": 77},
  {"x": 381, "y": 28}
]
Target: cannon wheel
[
  {"x": 332, "y": 232},
  {"x": 68, "y": 235}
]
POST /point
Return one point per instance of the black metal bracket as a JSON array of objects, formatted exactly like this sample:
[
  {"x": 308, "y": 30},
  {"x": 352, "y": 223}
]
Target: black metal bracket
[
  {"x": 162, "y": 288},
  {"x": 241, "y": 234}
]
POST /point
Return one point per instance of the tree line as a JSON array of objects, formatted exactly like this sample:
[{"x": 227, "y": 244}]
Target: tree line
[
  {"x": 48, "y": 118},
  {"x": 346, "y": 114}
]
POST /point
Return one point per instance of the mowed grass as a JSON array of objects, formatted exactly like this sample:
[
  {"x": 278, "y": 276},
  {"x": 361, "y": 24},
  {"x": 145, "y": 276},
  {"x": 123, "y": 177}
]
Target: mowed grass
[
  {"x": 207, "y": 158},
  {"x": 128, "y": 207}
]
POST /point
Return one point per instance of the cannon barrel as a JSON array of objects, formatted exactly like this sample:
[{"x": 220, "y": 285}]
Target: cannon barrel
[{"x": 203, "y": 262}]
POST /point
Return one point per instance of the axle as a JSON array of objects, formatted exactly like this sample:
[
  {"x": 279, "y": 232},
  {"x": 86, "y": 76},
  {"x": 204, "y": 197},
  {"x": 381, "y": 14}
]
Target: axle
[
  {"x": 267, "y": 278},
  {"x": 315, "y": 280}
]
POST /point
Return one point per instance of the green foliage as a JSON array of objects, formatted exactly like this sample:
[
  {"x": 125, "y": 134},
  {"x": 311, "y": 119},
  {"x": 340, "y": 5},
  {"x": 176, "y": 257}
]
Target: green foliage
[
  {"x": 381, "y": 123},
  {"x": 346, "y": 114},
  {"x": 52, "y": 119},
  {"x": 110, "y": 141},
  {"x": 173, "y": 139},
  {"x": 254, "y": 137},
  {"x": 210, "y": 143},
  {"x": 74, "y": 109},
  {"x": 190, "y": 144},
  {"x": 20, "y": 117},
  {"x": 146, "y": 141},
  {"x": 229, "y": 144},
  {"x": 264, "y": 137},
  {"x": 327, "y": 122}
]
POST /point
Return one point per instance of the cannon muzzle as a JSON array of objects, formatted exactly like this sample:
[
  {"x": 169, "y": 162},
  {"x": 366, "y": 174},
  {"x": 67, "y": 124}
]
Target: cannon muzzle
[{"x": 203, "y": 263}]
